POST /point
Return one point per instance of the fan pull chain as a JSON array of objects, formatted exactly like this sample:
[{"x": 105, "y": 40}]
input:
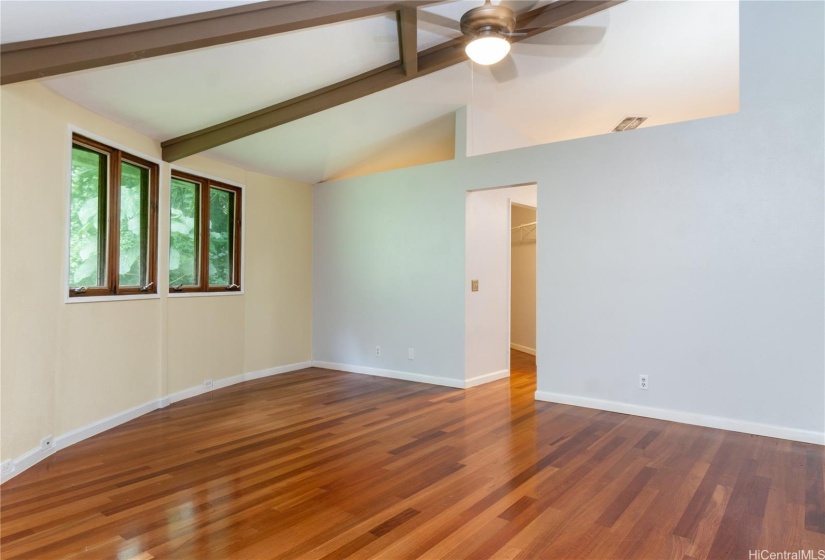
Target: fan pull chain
[{"x": 470, "y": 128}]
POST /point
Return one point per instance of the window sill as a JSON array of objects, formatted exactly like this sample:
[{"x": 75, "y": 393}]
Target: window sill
[
  {"x": 205, "y": 294},
  {"x": 97, "y": 299}
]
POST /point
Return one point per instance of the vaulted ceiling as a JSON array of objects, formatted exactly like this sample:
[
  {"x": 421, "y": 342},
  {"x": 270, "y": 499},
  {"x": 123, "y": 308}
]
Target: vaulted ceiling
[{"x": 668, "y": 60}]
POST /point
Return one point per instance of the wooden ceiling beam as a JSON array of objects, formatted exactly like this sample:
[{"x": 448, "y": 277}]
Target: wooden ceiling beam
[
  {"x": 431, "y": 60},
  {"x": 408, "y": 40},
  {"x": 29, "y": 60}
]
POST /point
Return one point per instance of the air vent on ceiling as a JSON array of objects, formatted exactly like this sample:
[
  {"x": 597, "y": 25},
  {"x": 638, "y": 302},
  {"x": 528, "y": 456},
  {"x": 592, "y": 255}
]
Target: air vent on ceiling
[{"x": 629, "y": 123}]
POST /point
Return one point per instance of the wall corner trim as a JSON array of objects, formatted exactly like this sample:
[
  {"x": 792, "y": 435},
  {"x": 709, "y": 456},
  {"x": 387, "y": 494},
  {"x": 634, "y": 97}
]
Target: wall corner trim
[
  {"x": 684, "y": 417},
  {"x": 34, "y": 456}
]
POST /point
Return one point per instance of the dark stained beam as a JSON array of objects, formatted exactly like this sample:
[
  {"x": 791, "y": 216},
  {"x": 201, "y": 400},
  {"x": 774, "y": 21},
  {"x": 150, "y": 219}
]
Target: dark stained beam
[
  {"x": 362, "y": 85},
  {"x": 29, "y": 60},
  {"x": 408, "y": 40},
  {"x": 431, "y": 60}
]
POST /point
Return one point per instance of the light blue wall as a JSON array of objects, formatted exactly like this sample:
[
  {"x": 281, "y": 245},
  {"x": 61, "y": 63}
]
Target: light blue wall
[{"x": 691, "y": 252}]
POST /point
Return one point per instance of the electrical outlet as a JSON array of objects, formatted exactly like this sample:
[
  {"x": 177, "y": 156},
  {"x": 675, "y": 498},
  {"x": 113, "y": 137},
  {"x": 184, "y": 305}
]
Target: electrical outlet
[
  {"x": 377, "y": 351},
  {"x": 7, "y": 468},
  {"x": 474, "y": 285},
  {"x": 410, "y": 353},
  {"x": 207, "y": 384},
  {"x": 643, "y": 384},
  {"x": 46, "y": 443}
]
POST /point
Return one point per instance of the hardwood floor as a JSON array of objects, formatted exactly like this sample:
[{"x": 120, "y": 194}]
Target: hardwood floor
[{"x": 322, "y": 464}]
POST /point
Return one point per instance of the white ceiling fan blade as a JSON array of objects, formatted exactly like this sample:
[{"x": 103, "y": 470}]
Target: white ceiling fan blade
[
  {"x": 438, "y": 20},
  {"x": 546, "y": 15},
  {"x": 504, "y": 70},
  {"x": 577, "y": 35}
]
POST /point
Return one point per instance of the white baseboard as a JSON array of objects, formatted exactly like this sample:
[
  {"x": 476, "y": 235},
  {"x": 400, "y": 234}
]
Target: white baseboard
[
  {"x": 235, "y": 379},
  {"x": 199, "y": 389},
  {"x": 684, "y": 417},
  {"x": 406, "y": 376},
  {"x": 23, "y": 462},
  {"x": 417, "y": 377},
  {"x": 34, "y": 456},
  {"x": 73, "y": 436},
  {"x": 525, "y": 349},
  {"x": 486, "y": 378},
  {"x": 191, "y": 392},
  {"x": 261, "y": 373}
]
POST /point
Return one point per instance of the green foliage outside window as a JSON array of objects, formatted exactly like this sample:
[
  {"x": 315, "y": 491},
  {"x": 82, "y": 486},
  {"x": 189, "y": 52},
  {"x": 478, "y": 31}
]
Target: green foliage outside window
[
  {"x": 183, "y": 246},
  {"x": 87, "y": 238},
  {"x": 134, "y": 192},
  {"x": 112, "y": 221},
  {"x": 221, "y": 205},
  {"x": 184, "y": 255}
]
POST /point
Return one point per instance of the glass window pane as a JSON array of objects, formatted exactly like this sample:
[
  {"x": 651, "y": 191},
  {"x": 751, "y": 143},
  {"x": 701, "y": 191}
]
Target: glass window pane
[
  {"x": 134, "y": 224},
  {"x": 221, "y": 233},
  {"x": 183, "y": 234},
  {"x": 87, "y": 238}
]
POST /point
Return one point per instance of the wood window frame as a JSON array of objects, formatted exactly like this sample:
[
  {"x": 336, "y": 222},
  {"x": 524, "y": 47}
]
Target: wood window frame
[
  {"x": 112, "y": 212},
  {"x": 205, "y": 184}
]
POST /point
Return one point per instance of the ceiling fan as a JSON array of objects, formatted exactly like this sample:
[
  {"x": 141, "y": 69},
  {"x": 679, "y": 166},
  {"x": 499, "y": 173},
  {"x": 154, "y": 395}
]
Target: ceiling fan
[{"x": 489, "y": 30}]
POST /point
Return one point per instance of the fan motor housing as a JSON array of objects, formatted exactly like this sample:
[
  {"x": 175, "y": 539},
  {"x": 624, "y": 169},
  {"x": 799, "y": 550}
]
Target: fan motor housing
[{"x": 488, "y": 17}]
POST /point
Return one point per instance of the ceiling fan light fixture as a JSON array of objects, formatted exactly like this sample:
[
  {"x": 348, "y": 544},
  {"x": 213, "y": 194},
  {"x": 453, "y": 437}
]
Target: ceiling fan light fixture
[{"x": 487, "y": 48}]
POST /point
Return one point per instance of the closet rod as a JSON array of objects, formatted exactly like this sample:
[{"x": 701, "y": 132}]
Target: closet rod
[{"x": 531, "y": 224}]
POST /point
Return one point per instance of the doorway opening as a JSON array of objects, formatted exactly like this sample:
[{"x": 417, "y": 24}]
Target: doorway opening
[
  {"x": 523, "y": 229},
  {"x": 489, "y": 244}
]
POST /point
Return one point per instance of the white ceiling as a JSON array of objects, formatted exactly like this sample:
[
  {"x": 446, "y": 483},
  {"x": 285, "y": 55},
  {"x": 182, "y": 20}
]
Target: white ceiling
[{"x": 671, "y": 60}]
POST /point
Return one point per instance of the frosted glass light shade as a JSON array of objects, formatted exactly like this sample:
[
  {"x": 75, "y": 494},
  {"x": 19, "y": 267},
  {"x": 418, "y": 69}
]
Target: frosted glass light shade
[{"x": 487, "y": 50}]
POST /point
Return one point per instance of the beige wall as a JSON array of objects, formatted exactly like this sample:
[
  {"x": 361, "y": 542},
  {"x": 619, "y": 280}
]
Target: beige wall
[
  {"x": 523, "y": 282},
  {"x": 63, "y": 366}
]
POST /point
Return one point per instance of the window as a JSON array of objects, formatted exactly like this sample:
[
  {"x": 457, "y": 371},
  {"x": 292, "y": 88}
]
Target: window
[
  {"x": 204, "y": 235},
  {"x": 113, "y": 222}
]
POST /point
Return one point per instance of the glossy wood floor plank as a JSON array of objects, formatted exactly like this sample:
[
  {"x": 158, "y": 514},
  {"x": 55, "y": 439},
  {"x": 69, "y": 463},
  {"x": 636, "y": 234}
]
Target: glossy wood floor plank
[{"x": 322, "y": 464}]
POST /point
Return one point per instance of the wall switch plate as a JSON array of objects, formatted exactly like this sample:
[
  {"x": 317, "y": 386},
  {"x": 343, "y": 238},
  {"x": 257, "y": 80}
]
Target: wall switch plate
[
  {"x": 410, "y": 353},
  {"x": 474, "y": 285},
  {"x": 207, "y": 383},
  {"x": 7, "y": 468},
  {"x": 47, "y": 443},
  {"x": 643, "y": 383},
  {"x": 377, "y": 351}
]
